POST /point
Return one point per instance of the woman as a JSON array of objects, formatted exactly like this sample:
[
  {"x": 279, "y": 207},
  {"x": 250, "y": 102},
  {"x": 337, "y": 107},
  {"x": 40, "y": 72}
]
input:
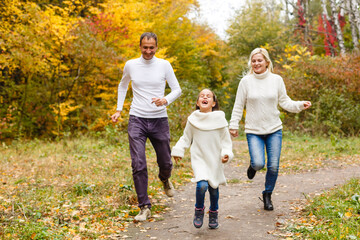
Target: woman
[{"x": 261, "y": 91}]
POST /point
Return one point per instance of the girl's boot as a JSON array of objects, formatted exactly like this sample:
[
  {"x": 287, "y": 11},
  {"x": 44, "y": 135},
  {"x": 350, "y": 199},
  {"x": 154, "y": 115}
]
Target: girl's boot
[
  {"x": 267, "y": 201},
  {"x": 213, "y": 219},
  {"x": 198, "y": 217}
]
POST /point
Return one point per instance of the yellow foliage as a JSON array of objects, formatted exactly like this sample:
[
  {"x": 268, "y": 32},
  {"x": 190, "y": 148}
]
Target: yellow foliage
[
  {"x": 162, "y": 53},
  {"x": 348, "y": 214},
  {"x": 287, "y": 67},
  {"x": 63, "y": 109}
]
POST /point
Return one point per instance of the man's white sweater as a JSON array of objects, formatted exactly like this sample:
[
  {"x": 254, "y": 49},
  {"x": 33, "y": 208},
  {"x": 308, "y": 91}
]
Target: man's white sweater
[
  {"x": 148, "y": 80},
  {"x": 209, "y": 138},
  {"x": 261, "y": 94}
]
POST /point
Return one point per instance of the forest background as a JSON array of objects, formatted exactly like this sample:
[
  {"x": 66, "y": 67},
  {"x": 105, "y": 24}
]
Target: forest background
[
  {"x": 61, "y": 61},
  {"x": 64, "y": 166}
]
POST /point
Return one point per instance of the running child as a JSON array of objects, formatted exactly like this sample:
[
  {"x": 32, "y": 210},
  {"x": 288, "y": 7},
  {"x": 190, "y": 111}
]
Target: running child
[{"x": 206, "y": 133}]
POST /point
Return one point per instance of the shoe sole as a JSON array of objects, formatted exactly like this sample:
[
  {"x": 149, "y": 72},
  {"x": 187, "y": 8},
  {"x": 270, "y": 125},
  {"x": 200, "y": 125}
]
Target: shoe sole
[{"x": 214, "y": 227}]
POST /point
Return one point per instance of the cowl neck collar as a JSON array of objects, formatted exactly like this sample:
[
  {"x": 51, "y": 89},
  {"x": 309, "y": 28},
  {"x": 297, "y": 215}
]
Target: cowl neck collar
[{"x": 208, "y": 121}]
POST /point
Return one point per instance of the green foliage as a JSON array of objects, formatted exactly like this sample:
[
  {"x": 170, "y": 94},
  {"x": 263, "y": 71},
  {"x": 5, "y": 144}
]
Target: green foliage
[
  {"x": 257, "y": 24},
  {"x": 333, "y": 215},
  {"x": 331, "y": 84},
  {"x": 82, "y": 188}
]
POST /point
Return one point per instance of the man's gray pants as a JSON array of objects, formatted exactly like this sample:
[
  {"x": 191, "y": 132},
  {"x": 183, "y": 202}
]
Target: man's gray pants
[{"x": 157, "y": 130}]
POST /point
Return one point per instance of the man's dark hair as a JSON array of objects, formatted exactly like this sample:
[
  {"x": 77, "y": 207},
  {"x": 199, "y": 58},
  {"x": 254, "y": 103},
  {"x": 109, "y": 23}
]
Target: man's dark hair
[{"x": 148, "y": 35}]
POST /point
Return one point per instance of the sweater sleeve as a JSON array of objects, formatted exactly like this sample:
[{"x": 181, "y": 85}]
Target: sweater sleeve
[
  {"x": 122, "y": 88},
  {"x": 285, "y": 101},
  {"x": 173, "y": 84},
  {"x": 184, "y": 142},
  {"x": 239, "y": 104},
  {"x": 226, "y": 144}
]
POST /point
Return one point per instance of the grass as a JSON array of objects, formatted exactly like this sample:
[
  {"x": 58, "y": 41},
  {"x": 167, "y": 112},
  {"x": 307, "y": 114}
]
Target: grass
[
  {"x": 301, "y": 153},
  {"x": 334, "y": 214},
  {"x": 83, "y": 188},
  {"x": 73, "y": 188}
]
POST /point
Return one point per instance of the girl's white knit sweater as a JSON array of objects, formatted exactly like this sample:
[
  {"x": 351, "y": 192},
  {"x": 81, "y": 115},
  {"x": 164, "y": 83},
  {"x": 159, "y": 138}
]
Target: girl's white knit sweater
[
  {"x": 261, "y": 94},
  {"x": 209, "y": 138}
]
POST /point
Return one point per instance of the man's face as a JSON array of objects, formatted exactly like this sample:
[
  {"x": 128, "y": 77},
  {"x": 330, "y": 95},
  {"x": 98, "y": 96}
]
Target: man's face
[{"x": 148, "y": 48}]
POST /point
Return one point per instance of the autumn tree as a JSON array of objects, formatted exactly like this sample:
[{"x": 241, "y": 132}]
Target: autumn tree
[
  {"x": 325, "y": 24},
  {"x": 60, "y": 70},
  {"x": 255, "y": 25}
]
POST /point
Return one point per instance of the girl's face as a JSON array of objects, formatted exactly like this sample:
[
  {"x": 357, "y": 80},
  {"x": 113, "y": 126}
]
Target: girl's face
[
  {"x": 206, "y": 101},
  {"x": 258, "y": 63}
]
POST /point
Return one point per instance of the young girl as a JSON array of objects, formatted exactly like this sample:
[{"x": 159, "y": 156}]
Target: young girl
[{"x": 207, "y": 133}]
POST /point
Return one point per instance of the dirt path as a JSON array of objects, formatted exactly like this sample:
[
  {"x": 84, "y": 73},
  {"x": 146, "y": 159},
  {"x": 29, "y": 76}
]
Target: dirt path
[{"x": 241, "y": 214}]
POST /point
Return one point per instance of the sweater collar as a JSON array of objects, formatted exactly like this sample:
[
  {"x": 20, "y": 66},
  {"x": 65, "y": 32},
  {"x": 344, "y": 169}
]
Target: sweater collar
[
  {"x": 262, "y": 75},
  {"x": 208, "y": 121},
  {"x": 142, "y": 59}
]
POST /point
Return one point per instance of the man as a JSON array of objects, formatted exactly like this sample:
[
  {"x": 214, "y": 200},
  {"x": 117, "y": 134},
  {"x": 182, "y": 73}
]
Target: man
[{"x": 148, "y": 116}]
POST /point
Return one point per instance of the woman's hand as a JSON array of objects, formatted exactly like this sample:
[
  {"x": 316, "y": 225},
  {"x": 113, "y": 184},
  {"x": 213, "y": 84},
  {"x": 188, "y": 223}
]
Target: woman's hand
[
  {"x": 225, "y": 159},
  {"x": 307, "y": 104},
  {"x": 234, "y": 132},
  {"x": 177, "y": 159}
]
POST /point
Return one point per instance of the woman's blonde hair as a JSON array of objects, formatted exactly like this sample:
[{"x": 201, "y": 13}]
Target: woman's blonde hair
[{"x": 266, "y": 56}]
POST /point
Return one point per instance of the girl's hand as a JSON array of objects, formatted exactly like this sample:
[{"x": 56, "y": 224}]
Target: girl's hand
[
  {"x": 177, "y": 159},
  {"x": 234, "y": 132},
  {"x": 225, "y": 159},
  {"x": 307, "y": 104}
]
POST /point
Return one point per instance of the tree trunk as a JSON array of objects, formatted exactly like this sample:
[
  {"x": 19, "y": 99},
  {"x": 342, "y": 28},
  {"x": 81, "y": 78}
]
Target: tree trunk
[
  {"x": 354, "y": 34},
  {"x": 339, "y": 33},
  {"x": 326, "y": 20},
  {"x": 355, "y": 10},
  {"x": 286, "y": 11},
  {"x": 306, "y": 16}
]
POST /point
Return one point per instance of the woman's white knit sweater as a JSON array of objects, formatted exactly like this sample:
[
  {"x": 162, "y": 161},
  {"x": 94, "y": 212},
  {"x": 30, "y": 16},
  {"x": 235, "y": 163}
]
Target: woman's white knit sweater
[
  {"x": 209, "y": 138},
  {"x": 261, "y": 94}
]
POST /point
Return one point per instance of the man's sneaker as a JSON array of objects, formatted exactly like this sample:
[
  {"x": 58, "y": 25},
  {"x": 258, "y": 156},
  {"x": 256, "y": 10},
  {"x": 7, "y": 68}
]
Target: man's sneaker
[
  {"x": 144, "y": 214},
  {"x": 213, "y": 220},
  {"x": 198, "y": 217},
  {"x": 168, "y": 188},
  {"x": 251, "y": 172}
]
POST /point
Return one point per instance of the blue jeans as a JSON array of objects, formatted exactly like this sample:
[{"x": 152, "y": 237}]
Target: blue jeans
[
  {"x": 201, "y": 188},
  {"x": 257, "y": 145}
]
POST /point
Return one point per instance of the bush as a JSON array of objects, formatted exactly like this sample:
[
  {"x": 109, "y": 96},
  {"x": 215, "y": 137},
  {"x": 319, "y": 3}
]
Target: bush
[{"x": 331, "y": 84}]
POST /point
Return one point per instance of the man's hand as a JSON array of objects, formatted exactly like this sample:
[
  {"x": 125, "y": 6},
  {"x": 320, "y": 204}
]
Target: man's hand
[
  {"x": 225, "y": 159},
  {"x": 177, "y": 159},
  {"x": 115, "y": 116},
  {"x": 234, "y": 132},
  {"x": 159, "y": 101}
]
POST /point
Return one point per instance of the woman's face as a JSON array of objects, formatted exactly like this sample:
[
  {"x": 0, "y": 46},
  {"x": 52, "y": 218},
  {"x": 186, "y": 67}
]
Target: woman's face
[
  {"x": 258, "y": 63},
  {"x": 206, "y": 101}
]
